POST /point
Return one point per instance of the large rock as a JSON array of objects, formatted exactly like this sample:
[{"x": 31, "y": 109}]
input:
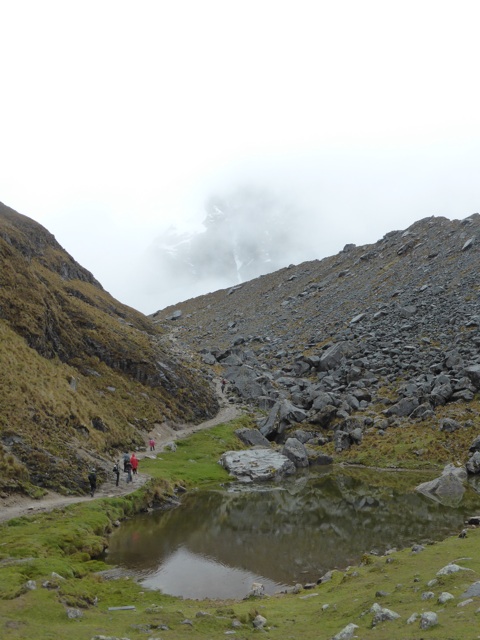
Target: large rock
[
  {"x": 441, "y": 393},
  {"x": 265, "y": 403},
  {"x": 281, "y": 415},
  {"x": 428, "y": 619},
  {"x": 473, "y": 465},
  {"x": 290, "y": 414},
  {"x": 449, "y": 425},
  {"x": 245, "y": 382},
  {"x": 403, "y": 408},
  {"x": 333, "y": 356},
  {"x": 269, "y": 426},
  {"x": 256, "y": 465},
  {"x": 322, "y": 399},
  {"x": 295, "y": 451},
  {"x": 382, "y": 614},
  {"x": 342, "y": 440},
  {"x": 317, "y": 458},
  {"x": 423, "y": 411},
  {"x": 475, "y": 446},
  {"x": 447, "y": 489},
  {"x": 459, "y": 472},
  {"x": 209, "y": 358},
  {"x": 347, "y": 633},
  {"x": 232, "y": 360},
  {"x": 324, "y": 416},
  {"x": 473, "y": 374},
  {"x": 252, "y": 438},
  {"x": 303, "y": 436}
]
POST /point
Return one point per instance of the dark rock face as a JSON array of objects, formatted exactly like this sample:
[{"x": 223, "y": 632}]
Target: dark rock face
[{"x": 322, "y": 341}]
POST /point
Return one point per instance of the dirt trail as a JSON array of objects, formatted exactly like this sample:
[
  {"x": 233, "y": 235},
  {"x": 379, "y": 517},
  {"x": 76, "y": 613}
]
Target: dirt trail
[{"x": 17, "y": 506}]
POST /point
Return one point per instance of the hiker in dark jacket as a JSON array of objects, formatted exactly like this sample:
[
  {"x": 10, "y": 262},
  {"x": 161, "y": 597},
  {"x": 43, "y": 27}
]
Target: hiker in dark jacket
[
  {"x": 128, "y": 470},
  {"x": 116, "y": 471},
  {"x": 92, "y": 478},
  {"x": 126, "y": 458}
]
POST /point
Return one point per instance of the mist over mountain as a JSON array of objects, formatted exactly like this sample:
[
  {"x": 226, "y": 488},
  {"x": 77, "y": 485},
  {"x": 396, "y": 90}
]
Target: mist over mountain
[{"x": 247, "y": 232}]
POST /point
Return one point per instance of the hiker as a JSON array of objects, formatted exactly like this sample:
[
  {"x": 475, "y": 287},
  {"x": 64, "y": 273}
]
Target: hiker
[
  {"x": 126, "y": 458},
  {"x": 224, "y": 383},
  {"x": 151, "y": 442},
  {"x": 92, "y": 478},
  {"x": 134, "y": 463},
  {"x": 128, "y": 470},
  {"x": 116, "y": 471}
]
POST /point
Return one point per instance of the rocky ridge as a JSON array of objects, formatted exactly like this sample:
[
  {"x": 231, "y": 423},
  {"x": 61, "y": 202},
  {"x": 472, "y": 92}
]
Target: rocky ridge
[{"x": 366, "y": 340}]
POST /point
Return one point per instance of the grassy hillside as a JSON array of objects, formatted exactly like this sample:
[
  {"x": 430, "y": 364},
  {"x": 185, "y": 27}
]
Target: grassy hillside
[{"x": 83, "y": 376}]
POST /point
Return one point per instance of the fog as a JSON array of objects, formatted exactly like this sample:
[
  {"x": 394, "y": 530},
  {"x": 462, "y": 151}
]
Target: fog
[
  {"x": 287, "y": 211},
  {"x": 122, "y": 124}
]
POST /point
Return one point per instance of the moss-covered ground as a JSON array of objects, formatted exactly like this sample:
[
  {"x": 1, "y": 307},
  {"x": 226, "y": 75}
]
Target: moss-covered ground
[{"x": 70, "y": 541}]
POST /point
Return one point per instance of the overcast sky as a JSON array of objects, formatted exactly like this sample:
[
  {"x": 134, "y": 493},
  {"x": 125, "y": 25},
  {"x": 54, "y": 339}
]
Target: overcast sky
[{"x": 119, "y": 119}]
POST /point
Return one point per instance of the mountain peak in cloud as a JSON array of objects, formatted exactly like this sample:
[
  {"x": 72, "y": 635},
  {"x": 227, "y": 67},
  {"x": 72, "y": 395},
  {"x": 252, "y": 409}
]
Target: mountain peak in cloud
[{"x": 246, "y": 233}]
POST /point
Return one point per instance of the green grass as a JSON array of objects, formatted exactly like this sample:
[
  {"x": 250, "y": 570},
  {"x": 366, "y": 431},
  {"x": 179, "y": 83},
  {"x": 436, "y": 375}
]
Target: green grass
[
  {"x": 194, "y": 463},
  {"x": 69, "y": 542},
  {"x": 65, "y": 540},
  {"x": 349, "y": 596}
]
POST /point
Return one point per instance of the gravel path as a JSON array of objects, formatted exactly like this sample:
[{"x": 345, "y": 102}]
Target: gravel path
[{"x": 17, "y": 506}]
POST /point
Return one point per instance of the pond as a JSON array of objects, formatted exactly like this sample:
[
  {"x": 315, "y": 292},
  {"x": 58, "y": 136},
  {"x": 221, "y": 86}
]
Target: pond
[{"x": 217, "y": 543}]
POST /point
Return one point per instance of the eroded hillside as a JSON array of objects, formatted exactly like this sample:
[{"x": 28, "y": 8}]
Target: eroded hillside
[{"x": 83, "y": 376}]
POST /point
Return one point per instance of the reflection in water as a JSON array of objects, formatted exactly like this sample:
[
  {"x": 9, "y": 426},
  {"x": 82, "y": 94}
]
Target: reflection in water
[
  {"x": 186, "y": 574},
  {"x": 219, "y": 542}
]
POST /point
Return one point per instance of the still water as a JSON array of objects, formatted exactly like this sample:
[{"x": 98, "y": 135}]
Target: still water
[{"x": 219, "y": 542}]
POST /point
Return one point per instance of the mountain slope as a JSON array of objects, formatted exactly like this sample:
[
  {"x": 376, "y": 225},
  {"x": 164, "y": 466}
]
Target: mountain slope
[
  {"x": 83, "y": 376},
  {"x": 379, "y": 336}
]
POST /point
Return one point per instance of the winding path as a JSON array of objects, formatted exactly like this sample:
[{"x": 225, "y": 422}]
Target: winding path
[{"x": 17, "y": 506}]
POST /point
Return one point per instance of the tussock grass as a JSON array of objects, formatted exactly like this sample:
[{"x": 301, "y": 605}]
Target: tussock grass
[
  {"x": 82, "y": 371},
  {"x": 51, "y": 408},
  {"x": 417, "y": 445}
]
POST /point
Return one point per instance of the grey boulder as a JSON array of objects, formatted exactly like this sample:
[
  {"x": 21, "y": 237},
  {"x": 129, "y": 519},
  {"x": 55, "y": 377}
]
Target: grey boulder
[{"x": 256, "y": 465}]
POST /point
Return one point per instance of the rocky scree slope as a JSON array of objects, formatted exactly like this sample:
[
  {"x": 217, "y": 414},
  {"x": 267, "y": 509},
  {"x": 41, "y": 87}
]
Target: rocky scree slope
[
  {"x": 83, "y": 376},
  {"x": 375, "y": 337}
]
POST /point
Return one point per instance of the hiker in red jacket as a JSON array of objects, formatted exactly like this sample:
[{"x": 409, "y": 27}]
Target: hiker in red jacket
[{"x": 134, "y": 463}]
